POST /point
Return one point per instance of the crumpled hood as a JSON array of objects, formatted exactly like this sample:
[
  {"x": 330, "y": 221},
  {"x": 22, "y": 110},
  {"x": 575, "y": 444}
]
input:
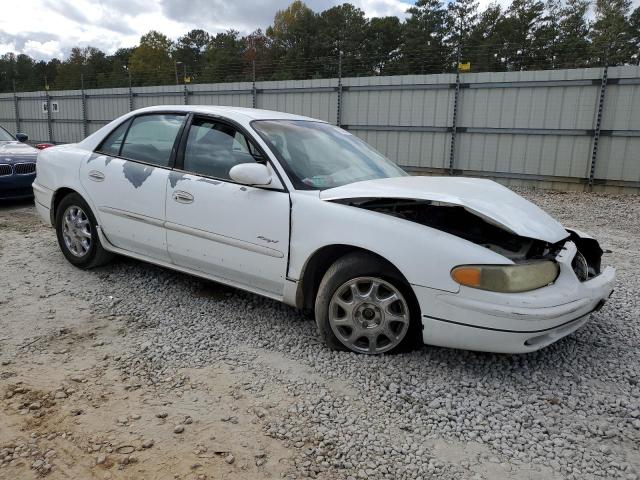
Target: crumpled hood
[
  {"x": 16, "y": 151},
  {"x": 490, "y": 200}
]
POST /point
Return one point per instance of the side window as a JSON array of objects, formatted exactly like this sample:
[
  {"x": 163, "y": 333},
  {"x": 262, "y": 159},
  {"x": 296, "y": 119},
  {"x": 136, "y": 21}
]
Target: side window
[
  {"x": 111, "y": 145},
  {"x": 151, "y": 137},
  {"x": 214, "y": 148}
]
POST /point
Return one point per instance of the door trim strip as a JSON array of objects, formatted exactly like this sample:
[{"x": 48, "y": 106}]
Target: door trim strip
[
  {"x": 176, "y": 227},
  {"x": 156, "y": 222},
  {"x": 214, "y": 237}
]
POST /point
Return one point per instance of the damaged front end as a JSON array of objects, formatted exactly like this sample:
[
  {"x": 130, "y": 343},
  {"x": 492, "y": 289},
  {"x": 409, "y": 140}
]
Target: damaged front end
[{"x": 459, "y": 221}]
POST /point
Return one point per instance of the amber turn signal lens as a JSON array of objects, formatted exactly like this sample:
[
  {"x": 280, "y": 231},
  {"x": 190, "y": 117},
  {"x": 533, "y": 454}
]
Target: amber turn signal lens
[
  {"x": 469, "y": 276},
  {"x": 520, "y": 277}
]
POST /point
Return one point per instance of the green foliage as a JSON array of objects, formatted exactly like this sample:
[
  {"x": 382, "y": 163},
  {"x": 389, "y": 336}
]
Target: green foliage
[
  {"x": 424, "y": 48},
  {"x": 151, "y": 61},
  {"x": 223, "y": 58},
  {"x": 611, "y": 33},
  {"x": 294, "y": 38},
  {"x": 301, "y": 43},
  {"x": 572, "y": 48},
  {"x": 382, "y": 48},
  {"x": 190, "y": 49}
]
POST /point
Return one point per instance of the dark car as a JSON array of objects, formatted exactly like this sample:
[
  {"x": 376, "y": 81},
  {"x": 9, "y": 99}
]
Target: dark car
[{"x": 17, "y": 166}]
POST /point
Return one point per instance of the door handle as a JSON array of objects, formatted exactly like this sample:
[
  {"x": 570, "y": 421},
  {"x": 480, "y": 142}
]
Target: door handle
[
  {"x": 96, "y": 176},
  {"x": 182, "y": 197}
]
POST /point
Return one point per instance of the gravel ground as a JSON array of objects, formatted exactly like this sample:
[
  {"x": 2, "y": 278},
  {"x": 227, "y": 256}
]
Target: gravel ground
[{"x": 571, "y": 410}]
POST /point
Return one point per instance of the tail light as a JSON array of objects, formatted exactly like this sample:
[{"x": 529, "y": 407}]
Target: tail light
[{"x": 42, "y": 146}]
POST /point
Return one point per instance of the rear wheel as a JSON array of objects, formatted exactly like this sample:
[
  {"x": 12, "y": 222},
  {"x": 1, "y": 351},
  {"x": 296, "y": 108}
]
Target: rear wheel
[
  {"x": 365, "y": 306},
  {"x": 77, "y": 233}
]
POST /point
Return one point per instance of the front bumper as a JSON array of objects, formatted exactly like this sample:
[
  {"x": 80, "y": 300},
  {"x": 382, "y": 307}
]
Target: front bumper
[
  {"x": 513, "y": 323},
  {"x": 16, "y": 186}
]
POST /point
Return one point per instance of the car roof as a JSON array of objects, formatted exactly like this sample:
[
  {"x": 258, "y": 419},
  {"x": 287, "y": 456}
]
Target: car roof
[{"x": 237, "y": 113}]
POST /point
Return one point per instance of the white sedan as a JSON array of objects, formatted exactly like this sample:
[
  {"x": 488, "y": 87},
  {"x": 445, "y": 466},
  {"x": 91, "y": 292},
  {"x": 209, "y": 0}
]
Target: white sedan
[{"x": 300, "y": 211}]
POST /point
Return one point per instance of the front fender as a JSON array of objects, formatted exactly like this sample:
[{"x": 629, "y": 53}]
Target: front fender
[{"x": 424, "y": 256}]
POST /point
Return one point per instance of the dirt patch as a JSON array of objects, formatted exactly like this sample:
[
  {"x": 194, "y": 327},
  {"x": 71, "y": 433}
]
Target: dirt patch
[{"x": 66, "y": 411}]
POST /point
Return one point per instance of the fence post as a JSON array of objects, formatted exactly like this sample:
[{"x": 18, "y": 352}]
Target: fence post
[
  {"x": 130, "y": 92},
  {"x": 85, "y": 120},
  {"x": 339, "y": 100},
  {"x": 49, "y": 126},
  {"x": 253, "y": 84},
  {"x": 186, "y": 94},
  {"x": 16, "y": 107},
  {"x": 596, "y": 131},
  {"x": 454, "y": 119}
]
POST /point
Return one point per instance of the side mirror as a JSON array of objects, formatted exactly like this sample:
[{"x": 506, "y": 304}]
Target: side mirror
[
  {"x": 22, "y": 137},
  {"x": 251, "y": 174}
]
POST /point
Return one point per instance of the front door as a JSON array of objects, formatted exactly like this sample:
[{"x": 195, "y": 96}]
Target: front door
[
  {"x": 126, "y": 180},
  {"x": 235, "y": 232}
]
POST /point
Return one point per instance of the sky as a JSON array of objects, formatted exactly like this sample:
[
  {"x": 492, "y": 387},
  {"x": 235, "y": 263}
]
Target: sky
[{"x": 45, "y": 29}]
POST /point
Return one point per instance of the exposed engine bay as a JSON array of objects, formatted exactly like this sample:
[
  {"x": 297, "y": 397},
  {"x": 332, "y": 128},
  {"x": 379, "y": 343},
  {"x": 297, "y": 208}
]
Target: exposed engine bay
[{"x": 458, "y": 221}]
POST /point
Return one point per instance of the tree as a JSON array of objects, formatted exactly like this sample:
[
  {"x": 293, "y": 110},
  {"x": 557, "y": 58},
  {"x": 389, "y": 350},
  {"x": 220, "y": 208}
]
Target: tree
[
  {"x": 117, "y": 72},
  {"x": 258, "y": 49},
  {"x": 462, "y": 19},
  {"x": 382, "y": 47},
  {"x": 520, "y": 31},
  {"x": 151, "y": 61},
  {"x": 485, "y": 41},
  {"x": 84, "y": 67},
  {"x": 634, "y": 28},
  {"x": 223, "y": 58},
  {"x": 294, "y": 41},
  {"x": 189, "y": 50},
  {"x": 424, "y": 49},
  {"x": 343, "y": 28},
  {"x": 610, "y": 33},
  {"x": 572, "y": 48}
]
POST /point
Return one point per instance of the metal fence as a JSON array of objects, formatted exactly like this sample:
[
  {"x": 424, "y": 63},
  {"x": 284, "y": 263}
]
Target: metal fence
[{"x": 566, "y": 129}]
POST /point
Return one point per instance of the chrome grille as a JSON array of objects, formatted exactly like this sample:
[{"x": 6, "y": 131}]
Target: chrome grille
[
  {"x": 5, "y": 169},
  {"x": 24, "y": 168}
]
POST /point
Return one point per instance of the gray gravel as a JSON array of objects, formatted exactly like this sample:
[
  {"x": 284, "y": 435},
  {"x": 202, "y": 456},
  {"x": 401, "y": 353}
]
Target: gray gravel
[{"x": 571, "y": 410}]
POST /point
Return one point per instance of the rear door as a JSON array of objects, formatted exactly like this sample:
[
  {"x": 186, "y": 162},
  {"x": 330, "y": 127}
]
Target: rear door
[
  {"x": 126, "y": 179},
  {"x": 235, "y": 232}
]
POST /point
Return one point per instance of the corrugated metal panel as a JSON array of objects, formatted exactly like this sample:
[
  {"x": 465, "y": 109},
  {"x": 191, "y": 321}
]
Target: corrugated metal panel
[
  {"x": 67, "y": 132},
  {"x": 408, "y": 107},
  {"x": 7, "y": 112},
  {"x": 507, "y": 122},
  {"x": 203, "y": 94},
  {"x": 411, "y": 149},
  {"x": 319, "y": 104},
  {"x": 543, "y": 107},
  {"x": 533, "y": 154},
  {"x": 619, "y": 159},
  {"x": 100, "y": 108}
]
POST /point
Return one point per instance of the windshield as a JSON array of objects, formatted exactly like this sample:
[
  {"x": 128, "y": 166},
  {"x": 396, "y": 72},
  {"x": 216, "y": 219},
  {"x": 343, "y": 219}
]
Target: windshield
[
  {"x": 5, "y": 136},
  {"x": 318, "y": 155}
]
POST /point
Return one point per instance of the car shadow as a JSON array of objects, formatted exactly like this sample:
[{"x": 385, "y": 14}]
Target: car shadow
[{"x": 15, "y": 204}]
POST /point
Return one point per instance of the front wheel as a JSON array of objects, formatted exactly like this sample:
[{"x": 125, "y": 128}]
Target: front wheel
[
  {"x": 76, "y": 229},
  {"x": 364, "y": 306}
]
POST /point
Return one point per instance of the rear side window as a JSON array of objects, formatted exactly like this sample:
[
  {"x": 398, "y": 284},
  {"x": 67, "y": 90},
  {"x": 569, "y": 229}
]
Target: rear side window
[
  {"x": 151, "y": 137},
  {"x": 111, "y": 145}
]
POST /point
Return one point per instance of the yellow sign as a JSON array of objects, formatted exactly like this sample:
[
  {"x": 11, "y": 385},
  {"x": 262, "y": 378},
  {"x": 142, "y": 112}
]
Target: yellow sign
[
  {"x": 464, "y": 67},
  {"x": 187, "y": 79}
]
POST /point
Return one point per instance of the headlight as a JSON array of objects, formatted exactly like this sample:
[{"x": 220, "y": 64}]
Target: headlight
[{"x": 507, "y": 278}]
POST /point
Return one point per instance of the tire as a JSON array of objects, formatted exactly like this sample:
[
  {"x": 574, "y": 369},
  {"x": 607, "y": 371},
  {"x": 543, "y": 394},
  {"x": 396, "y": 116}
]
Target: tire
[
  {"x": 367, "y": 321},
  {"x": 77, "y": 233}
]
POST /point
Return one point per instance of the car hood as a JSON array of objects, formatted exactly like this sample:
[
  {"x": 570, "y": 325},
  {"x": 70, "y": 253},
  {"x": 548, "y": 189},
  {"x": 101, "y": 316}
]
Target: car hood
[
  {"x": 16, "y": 151},
  {"x": 490, "y": 200}
]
